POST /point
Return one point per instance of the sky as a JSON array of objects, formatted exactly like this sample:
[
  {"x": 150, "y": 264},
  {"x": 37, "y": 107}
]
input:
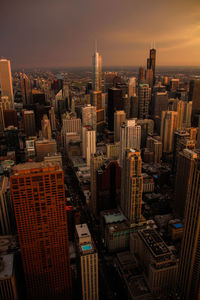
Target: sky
[{"x": 62, "y": 33}]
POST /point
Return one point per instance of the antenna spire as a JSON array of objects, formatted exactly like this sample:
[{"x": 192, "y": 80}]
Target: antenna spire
[{"x": 95, "y": 45}]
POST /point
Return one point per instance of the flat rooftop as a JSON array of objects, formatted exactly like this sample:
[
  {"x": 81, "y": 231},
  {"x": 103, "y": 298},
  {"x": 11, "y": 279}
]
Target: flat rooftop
[
  {"x": 154, "y": 242},
  {"x": 132, "y": 275},
  {"x": 114, "y": 218},
  {"x": 82, "y": 231},
  {"x": 35, "y": 167},
  {"x": 6, "y": 266}
]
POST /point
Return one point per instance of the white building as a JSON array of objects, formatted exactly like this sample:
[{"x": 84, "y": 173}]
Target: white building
[
  {"x": 130, "y": 137},
  {"x": 88, "y": 263},
  {"x": 88, "y": 143},
  {"x": 89, "y": 116},
  {"x": 119, "y": 118}
]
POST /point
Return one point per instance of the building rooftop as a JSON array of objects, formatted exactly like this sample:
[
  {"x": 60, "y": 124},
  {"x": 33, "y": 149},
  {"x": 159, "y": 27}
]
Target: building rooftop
[
  {"x": 6, "y": 266},
  {"x": 132, "y": 276},
  {"x": 154, "y": 243},
  {"x": 114, "y": 217},
  {"x": 82, "y": 231},
  {"x": 35, "y": 167}
]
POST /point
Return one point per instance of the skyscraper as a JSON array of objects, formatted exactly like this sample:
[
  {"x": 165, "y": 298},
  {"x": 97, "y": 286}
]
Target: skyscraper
[
  {"x": 189, "y": 263},
  {"x": 187, "y": 114},
  {"x": 29, "y": 122},
  {"x": 8, "y": 280},
  {"x": 180, "y": 117},
  {"x": 114, "y": 103},
  {"x": 168, "y": 125},
  {"x": 46, "y": 128},
  {"x": 159, "y": 103},
  {"x": 89, "y": 116},
  {"x": 38, "y": 194},
  {"x": 25, "y": 89},
  {"x": 151, "y": 63},
  {"x": 194, "y": 96},
  {"x": 141, "y": 77},
  {"x": 97, "y": 160},
  {"x": 119, "y": 118},
  {"x": 96, "y": 72},
  {"x": 184, "y": 171},
  {"x": 132, "y": 87},
  {"x": 6, "y": 88},
  {"x": 52, "y": 119},
  {"x": 132, "y": 185},
  {"x": 88, "y": 263},
  {"x": 96, "y": 100},
  {"x": 130, "y": 137},
  {"x": 144, "y": 96},
  {"x": 108, "y": 186},
  {"x": 88, "y": 143}
]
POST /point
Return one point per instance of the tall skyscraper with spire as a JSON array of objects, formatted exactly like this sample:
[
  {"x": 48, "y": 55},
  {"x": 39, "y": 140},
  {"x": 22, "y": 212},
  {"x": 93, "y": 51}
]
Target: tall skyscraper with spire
[
  {"x": 96, "y": 71},
  {"x": 151, "y": 63}
]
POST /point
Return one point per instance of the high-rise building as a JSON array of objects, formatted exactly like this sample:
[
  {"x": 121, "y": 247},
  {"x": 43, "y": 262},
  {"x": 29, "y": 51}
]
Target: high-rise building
[
  {"x": 155, "y": 145},
  {"x": 151, "y": 63},
  {"x": 147, "y": 127},
  {"x": 179, "y": 136},
  {"x": 88, "y": 263},
  {"x": 46, "y": 128},
  {"x": 88, "y": 143},
  {"x": 29, "y": 122},
  {"x": 159, "y": 104},
  {"x": 44, "y": 147},
  {"x": 96, "y": 100},
  {"x": 194, "y": 96},
  {"x": 185, "y": 165},
  {"x": 109, "y": 80},
  {"x": 38, "y": 195},
  {"x": 119, "y": 118},
  {"x": 10, "y": 118},
  {"x": 8, "y": 278},
  {"x": 187, "y": 114},
  {"x": 174, "y": 84},
  {"x": 144, "y": 96},
  {"x": 96, "y": 72},
  {"x": 7, "y": 225},
  {"x": 25, "y": 89},
  {"x": 149, "y": 77},
  {"x": 108, "y": 186},
  {"x": 132, "y": 186},
  {"x": 5, "y": 102},
  {"x": 141, "y": 77},
  {"x": 189, "y": 263},
  {"x": 168, "y": 125},
  {"x": 132, "y": 87},
  {"x": 180, "y": 116},
  {"x": 114, "y": 103},
  {"x": 6, "y": 88},
  {"x": 89, "y": 116},
  {"x": 52, "y": 119},
  {"x": 113, "y": 150},
  {"x": 157, "y": 261},
  {"x": 97, "y": 160},
  {"x": 71, "y": 124},
  {"x": 130, "y": 137},
  {"x": 134, "y": 107}
]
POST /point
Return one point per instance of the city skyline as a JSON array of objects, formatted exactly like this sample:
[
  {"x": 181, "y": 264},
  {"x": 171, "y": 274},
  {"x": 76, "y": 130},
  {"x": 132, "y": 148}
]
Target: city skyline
[{"x": 50, "y": 34}]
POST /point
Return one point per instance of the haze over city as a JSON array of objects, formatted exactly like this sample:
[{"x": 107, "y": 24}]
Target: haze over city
[{"x": 62, "y": 33}]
